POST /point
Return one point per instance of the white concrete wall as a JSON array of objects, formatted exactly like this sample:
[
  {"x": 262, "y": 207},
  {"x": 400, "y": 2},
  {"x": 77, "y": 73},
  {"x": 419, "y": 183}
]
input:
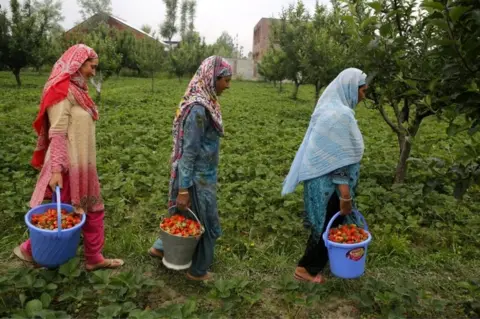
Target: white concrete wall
[{"x": 242, "y": 68}]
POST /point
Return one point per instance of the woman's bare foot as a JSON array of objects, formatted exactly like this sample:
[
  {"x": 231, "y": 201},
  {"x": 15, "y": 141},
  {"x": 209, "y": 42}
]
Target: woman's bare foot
[
  {"x": 155, "y": 253},
  {"x": 301, "y": 274},
  {"x": 106, "y": 264}
]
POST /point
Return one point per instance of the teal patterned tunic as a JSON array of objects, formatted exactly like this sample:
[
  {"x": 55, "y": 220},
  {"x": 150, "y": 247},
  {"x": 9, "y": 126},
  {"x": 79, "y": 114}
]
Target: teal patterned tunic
[{"x": 317, "y": 193}]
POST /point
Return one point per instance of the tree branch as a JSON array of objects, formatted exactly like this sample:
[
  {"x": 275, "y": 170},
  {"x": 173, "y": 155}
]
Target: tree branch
[{"x": 387, "y": 119}]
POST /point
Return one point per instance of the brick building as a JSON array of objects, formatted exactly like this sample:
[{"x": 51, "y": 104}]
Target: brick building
[{"x": 261, "y": 40}]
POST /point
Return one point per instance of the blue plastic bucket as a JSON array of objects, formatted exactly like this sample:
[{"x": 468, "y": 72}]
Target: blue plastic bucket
[
  {"x": 347, "y": 260},
  {"x": 52, "y": 248}
]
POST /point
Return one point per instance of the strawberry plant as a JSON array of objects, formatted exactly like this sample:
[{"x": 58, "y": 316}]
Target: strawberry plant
[{"x": 422, "y": 233}]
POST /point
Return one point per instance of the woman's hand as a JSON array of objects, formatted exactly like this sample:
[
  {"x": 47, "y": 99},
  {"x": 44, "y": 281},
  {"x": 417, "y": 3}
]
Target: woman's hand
[
  {"x": 56, "y": 180},
  {"x": 183, "y": 199}
]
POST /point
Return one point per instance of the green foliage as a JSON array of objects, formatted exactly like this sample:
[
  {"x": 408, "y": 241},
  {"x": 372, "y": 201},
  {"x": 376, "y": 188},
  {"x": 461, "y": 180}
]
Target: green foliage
[
  {"x": 149, "y": 56},
  {"x": 23, "y": 37},
  {"x": 290, "y": 34},
  {"x": 185, "y": 59},
  {"x": 421, "y": 234}
]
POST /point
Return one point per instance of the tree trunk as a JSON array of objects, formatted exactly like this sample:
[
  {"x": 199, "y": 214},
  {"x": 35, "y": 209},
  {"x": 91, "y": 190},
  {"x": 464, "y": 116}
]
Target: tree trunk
[
  {"x": 16, "y": 72},
  {"x": 274, "y": 84},
  {"x": 317, "y": 90},
  {"x": 152, "y": 81},
  {"x": 280, "y": 87},
  {"x": 402, "y": 165},
  {"x": 405, "y": 140},
  {"x": 295, "y": 90}
]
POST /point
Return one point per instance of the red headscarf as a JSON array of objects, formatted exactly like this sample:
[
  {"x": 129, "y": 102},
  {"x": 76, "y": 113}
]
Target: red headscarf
[{"x": 65, "y": 78}]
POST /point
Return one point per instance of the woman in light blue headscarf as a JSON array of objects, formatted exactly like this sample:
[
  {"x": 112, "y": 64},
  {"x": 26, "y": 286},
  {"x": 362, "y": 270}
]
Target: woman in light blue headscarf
[{"x": 328, "y": 164}]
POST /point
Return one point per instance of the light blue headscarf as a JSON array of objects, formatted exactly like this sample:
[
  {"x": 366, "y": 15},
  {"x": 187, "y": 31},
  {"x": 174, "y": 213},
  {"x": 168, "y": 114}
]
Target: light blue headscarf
[{"x": 333, "y": 139}]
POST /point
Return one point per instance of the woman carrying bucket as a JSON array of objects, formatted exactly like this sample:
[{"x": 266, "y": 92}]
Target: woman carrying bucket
[
  {"x": 328, "y": 164},
  {"x": 197, "y": 129},
  {"x": 66, "y": 151}
]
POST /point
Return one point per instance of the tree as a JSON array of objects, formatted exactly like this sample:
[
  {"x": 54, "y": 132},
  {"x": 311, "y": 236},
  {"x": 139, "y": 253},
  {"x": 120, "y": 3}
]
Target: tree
[
  {"x": 272, "y": 67},
  {"x": 102, "y": 41},
  {"x": 323, "y": 57},
  {"x": 290, "y": 35},
  {"x": 50, "y": 12},
  {"x": 23, "y": 38},
  {"x": 225, "y": 46},
  {"x": 146, "y": 28},
  {"x": 456, "y": 90},
  {"x": 169, "y": 27},
  {"x": 149, "y": 55},
  {"x": 4, "y": 38},
  {"x": 186, "y": 58},
  {"x": 192, "y": 8},
  {"x": 392, "y": 43},
  {"x": 125, "y": 46},
  {"x": 89, "y": 8},
  {"x": 183, "y": 18}
]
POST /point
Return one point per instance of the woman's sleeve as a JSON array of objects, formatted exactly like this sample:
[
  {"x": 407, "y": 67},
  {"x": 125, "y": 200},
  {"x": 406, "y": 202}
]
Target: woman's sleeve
[
  {"x": 194, "y": 128},
  {"x": 59, "y": 117}
]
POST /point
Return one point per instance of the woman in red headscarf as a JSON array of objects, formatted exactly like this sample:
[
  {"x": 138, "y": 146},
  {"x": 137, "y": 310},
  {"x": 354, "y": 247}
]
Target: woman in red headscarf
[{"x": 66, "y": 152}]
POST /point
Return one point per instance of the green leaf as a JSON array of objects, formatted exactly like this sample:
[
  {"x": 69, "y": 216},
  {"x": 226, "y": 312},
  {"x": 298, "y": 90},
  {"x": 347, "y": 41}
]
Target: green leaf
[
  {"x": 71, "y": 269},
  {"x": 22, "y": 298},
  {"x": 39, "y": 283},
  {"x": 457, "y": 12},
  {"x": 51, "y": 286},
  {"x": 377, "y": 6},
  {"x": 46, "y": 300},
  {"x": 442, "y": 24},
  {"x": 452, "y": 129},
  {"x": 33, "y": 307},
  {"x": 349, "y": 19},
  {"x": 109, "y": 311},
  {"x": 444, "y": 42},
  {"x": 189, "y": 308},
  {"x": 386, "y": 29},
  {"x": 367, "y": 22},
  {"x": 433, "y": 5}
]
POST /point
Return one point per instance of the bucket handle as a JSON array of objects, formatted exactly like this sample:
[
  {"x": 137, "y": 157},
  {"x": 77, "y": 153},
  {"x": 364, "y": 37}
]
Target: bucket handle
[
  {"x": 56, "y": 198},
  {"x": 356, "y": 212}
]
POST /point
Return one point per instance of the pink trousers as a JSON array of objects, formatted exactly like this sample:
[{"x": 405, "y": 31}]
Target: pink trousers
[{"x": 93, "y": 231}]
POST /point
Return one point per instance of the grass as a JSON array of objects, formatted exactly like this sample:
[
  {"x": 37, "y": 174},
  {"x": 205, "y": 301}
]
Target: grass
[{"x": 421, "y": 264}]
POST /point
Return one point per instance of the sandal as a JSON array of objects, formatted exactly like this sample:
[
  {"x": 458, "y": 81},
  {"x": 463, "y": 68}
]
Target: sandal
[
  {"x": 207, "y": 277},
  {"x": 155, "y": 253},
  {"x": 106, "y": 264},
  {"x": 24, "y": 256},
  {"x": 318, "y": 279}
]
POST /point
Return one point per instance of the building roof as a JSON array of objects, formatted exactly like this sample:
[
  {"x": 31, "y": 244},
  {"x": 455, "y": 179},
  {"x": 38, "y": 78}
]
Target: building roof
[{"x": 117, "y": 19}]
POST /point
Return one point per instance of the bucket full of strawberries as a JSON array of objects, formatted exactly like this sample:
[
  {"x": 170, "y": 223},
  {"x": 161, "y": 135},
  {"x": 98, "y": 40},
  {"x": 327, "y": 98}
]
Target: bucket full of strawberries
[
  {"x": 55, "y": 231},
  {"x": 347, "y": 247},
  {"x": 180, "y": 236}
]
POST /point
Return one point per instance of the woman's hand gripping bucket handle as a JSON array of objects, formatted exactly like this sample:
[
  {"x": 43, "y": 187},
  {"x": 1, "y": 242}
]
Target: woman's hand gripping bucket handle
[
  {"x": 191, "y": 212},
  {"x": 356, "y": 212},
  {"x": 56, "y": 198}
]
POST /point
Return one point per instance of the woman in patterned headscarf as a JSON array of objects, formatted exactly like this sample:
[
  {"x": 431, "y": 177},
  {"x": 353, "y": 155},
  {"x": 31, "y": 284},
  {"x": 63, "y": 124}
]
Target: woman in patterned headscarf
[
  {"x": 66, "y": 153},
  {"x": 197, "y": 129}
]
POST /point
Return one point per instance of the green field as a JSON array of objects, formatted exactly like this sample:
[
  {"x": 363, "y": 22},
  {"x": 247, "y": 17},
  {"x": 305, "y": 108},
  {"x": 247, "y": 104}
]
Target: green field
[{"x": 422, "y": 263}]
